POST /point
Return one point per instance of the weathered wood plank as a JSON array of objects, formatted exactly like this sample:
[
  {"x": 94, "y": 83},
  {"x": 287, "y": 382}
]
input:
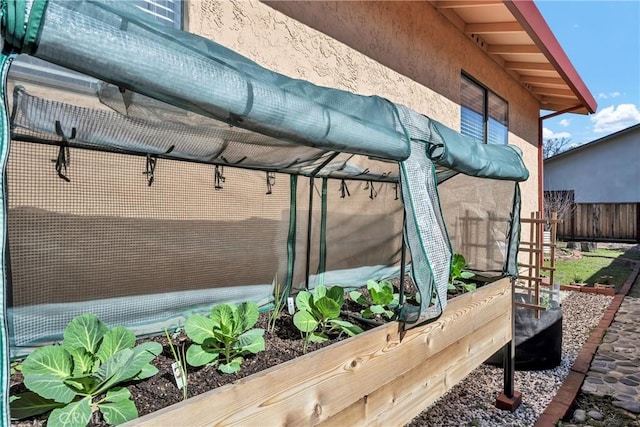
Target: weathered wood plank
[
  {"x": 312, "y": 388},
  {"x": 605, "y": 221}
]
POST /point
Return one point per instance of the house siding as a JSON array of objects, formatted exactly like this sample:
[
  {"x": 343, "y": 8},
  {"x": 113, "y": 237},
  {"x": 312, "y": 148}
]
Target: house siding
[
  {"x": 605, "y": 172},
  {"x": 406, "y": 52}
]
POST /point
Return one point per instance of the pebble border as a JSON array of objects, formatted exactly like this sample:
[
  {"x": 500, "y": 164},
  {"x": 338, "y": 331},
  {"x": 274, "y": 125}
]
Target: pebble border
[{"x": 564, "y": 398}]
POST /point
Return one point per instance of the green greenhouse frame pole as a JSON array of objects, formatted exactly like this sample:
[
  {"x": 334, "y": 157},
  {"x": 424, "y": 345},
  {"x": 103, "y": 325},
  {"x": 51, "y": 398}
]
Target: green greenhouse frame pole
[
  {"x": 309, "y": 220},
  {"x": 5, "y": 369},
  {"x": 315, "y": 172}
]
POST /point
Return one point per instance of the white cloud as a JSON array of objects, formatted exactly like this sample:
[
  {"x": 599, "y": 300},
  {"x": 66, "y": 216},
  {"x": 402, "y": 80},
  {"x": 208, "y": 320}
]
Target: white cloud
[
  {"x": 603, "y": 95},
  {"x": 564, "y": 123},
  {"x": 548, "y": 134},
  {"x": 612, "y": 119}
]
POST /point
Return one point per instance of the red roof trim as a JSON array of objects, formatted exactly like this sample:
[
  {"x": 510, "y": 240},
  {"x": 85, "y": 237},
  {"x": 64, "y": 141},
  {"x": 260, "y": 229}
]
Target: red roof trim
[{"x": 527, "y": 13}]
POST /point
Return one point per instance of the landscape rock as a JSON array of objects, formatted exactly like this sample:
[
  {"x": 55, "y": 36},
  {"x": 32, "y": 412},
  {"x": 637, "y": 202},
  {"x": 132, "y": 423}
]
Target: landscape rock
[
  {"x": 629, "y": 405},
  {"x": 615, "y": 371},
  {"x": 580, "y": 416},
  {"x": 573, "y": 245},
  {"x": 596, "y": 415}
]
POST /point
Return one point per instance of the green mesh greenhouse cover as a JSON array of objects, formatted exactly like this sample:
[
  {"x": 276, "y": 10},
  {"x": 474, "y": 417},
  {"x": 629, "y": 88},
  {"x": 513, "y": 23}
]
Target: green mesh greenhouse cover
[{"x": 168, "y": 94}]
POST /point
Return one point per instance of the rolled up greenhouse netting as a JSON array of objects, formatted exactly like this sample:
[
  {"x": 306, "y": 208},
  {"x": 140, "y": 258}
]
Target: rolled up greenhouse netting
[
  {"x": 115, "y": 42},
  {"x": 461, "y": 153}
]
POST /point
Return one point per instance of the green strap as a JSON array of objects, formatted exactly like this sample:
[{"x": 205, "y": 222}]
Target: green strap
[
  {"x": 322, "y": 264},
  {"x": 4, "y": 331},
  {"x": 18, "y": 33},
  {"x": 291, "y": 238},
  {"x": 34, "y": 26}
]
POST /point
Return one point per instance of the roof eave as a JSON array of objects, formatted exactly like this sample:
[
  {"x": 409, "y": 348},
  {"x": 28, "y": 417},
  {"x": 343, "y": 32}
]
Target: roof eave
[{"x": 527, "y": 13}]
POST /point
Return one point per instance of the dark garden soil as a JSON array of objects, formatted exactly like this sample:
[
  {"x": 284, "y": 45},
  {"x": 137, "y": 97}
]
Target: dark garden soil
[{"x": 160, "y": 391}]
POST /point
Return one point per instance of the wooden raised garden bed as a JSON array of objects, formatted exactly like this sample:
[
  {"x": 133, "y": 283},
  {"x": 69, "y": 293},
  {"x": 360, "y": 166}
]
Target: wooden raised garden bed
[{"x": 381, "y": 377}]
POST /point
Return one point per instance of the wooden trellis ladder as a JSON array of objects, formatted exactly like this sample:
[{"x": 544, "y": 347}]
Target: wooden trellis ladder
[{"x": 529, "y": 277}]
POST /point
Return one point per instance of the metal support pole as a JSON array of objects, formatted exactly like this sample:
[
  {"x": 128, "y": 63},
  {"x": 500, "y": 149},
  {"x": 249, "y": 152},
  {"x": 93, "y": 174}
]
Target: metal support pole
[
  {"x": 510, "y": 399},
  {"x": 509, "y": 358}
]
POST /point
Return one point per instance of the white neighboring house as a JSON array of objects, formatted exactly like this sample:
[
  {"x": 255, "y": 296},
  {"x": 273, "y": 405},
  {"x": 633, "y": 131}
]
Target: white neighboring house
[{"x": 604, "y": 178}]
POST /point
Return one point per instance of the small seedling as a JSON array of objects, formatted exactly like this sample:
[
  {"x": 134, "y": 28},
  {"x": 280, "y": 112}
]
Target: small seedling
[
  {"x": 179, "y": 367},
  {"x": 458, "y": 273},
  {"x": 279, "y": 302},
  {"x": 16, "y": 367}
]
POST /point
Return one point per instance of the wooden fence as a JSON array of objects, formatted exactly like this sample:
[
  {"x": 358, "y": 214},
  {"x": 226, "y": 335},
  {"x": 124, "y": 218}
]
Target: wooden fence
[{"x": 602, "y": 221}]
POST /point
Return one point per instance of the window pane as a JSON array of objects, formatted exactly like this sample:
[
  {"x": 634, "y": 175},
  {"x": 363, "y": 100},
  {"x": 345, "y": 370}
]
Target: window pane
[
  {"x": 471, "y": 95},
  {"x": 166, "y": 12},
  {"x": 472, "y": 124},
  {"x": 498, "y": 127},
  {"x": 489, "y": 123},
  {"x": 498, "y": 133},
  {"x": 498, "y": 109}
]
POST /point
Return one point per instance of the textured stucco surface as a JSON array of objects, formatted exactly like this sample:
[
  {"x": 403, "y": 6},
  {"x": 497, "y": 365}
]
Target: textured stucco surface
[{"x": 406, "y": 52}]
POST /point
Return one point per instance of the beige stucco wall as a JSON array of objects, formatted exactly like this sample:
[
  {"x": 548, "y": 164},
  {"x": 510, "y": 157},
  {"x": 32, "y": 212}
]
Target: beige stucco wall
[{"x": 404, "y": 51}]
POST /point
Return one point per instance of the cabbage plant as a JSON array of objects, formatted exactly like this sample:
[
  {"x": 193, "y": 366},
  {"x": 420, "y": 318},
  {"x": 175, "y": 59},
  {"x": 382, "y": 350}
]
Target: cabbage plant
[
  {"x": 79, "y": 377},
  {"x": 224, "y": 337},
  {"x": 382, "y": 300},
  {"x": 318, "y": 315},
  {"x": 458, "y": 273}
]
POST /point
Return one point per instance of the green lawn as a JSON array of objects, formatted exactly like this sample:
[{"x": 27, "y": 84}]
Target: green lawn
[{"x": 594, "y": 266}]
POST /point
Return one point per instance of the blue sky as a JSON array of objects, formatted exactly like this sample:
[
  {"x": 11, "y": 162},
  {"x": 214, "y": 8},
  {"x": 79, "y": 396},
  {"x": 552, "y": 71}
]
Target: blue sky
[{"x": 602, "y": 40}]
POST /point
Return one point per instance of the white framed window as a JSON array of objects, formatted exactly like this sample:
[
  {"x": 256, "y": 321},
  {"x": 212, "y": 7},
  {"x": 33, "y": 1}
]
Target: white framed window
[
  {"x": 167, "y": 12},
  {"x": 484, "y": 115},
  {"x": 31, "y": 69}
]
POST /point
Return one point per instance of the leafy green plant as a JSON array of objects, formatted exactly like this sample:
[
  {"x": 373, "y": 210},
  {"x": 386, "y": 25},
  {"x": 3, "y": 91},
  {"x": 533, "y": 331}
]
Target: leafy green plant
[
  {"x": 458, "y": 273},
  {"x": 224, "y": 337},
  {"x": 180, "y": 365},
  {"x": 279, "y": 301},
  {"x": 16, "y": 367},
  {"x": 545, "y": 301},
  {"x": 79, "y": 377},
  {"x": 318, "y": 315},
  {"x": 382, "y": 300}
]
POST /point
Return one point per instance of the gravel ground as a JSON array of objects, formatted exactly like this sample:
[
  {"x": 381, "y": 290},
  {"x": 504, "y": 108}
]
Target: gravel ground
[{"x": 471, "y": 402}]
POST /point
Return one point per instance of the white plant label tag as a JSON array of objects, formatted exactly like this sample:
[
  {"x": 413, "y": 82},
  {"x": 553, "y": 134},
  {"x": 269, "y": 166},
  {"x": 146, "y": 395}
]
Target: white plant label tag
[
  {"x": 177, "y": 374},
  {"x": 291, "y": 307}
]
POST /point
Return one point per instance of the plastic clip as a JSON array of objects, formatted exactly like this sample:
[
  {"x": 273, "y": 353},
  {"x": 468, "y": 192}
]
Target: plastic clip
[
  {"x": 271, "y": 181},
  {"x": 372, "y": 191},
  {"x": 344, "y": 190},
  {"x": 64, "y": 156},
  {"x": 234, "y": 120},
  {"x": 219, "y": 177},
  {"x": 150, "y": 168}
]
